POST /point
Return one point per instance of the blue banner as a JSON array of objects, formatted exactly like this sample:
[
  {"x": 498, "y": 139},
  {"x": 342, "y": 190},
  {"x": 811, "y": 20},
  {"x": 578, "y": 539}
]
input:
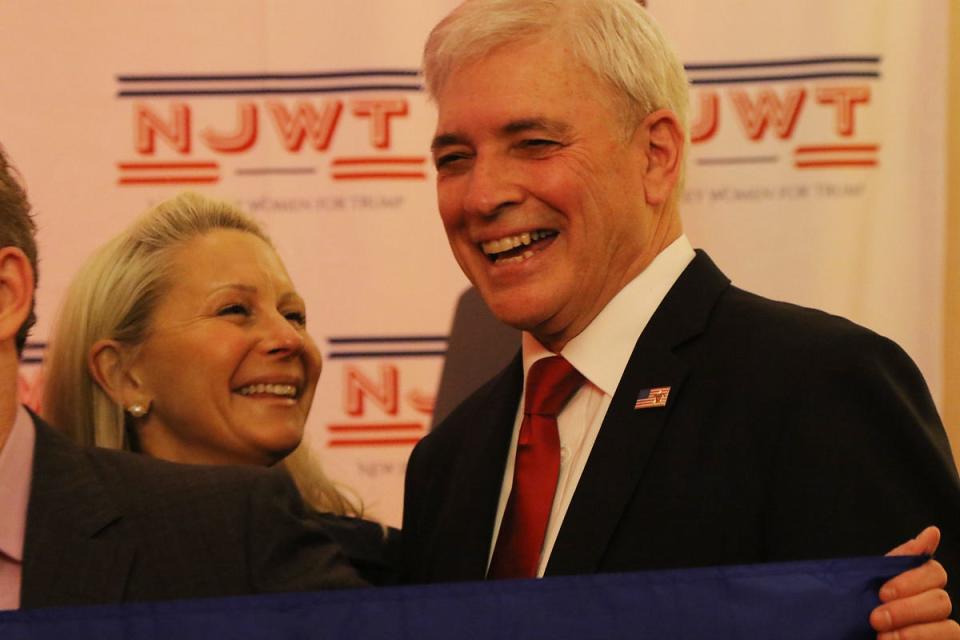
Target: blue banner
[{"x": 789, "y": 601}]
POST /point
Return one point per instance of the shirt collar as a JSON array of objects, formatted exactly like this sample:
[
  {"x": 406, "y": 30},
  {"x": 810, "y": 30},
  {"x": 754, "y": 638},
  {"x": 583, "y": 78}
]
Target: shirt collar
[
  {"x": 601, "y": 351},
  {"x": 16, "y": 467}
]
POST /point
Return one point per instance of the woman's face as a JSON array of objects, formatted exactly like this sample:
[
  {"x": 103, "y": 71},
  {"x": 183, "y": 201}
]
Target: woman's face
[{"x": 227, "y": 365}]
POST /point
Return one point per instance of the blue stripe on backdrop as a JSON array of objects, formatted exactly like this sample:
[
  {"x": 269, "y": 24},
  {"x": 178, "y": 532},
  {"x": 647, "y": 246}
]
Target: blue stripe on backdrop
[
  {"x": 384, "y": 339},
  {"x": 789, "y": 601},
  {"x": 173, "y": 84},
  {"x": 785, "y": 70},
  {"x": 794, "y": 62},
  {"x": 388, "y": 347},
  {"x": 231, "y": 77},
  {"x": 257, "y": 91},
  {"x": 334, "y": 355},
  {"x": 786, "y": 77}
]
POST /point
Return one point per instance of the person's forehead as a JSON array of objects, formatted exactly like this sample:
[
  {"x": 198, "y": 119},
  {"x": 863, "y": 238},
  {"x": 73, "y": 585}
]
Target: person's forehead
[
  {"x": 533, "y": 85},
  {"x": 225, "y": 252},
  {"x": 529, "y": 53}
]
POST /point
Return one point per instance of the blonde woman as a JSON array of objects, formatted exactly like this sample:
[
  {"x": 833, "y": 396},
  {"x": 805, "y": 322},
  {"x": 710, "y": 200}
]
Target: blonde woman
[{"x": 184, "y": 339}]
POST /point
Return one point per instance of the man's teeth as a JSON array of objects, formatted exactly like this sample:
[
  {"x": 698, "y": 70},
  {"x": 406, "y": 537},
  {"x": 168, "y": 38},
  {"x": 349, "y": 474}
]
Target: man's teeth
[
  {"x": 287, "y": 390},
  {"x": 512, "y": 242}
]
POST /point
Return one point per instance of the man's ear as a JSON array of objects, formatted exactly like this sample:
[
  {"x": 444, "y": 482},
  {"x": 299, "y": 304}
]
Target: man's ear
[
  {"x": 16, "y": 291},
  {"x": 109, "y": 364},
  {"x": 664, "y": 141}
]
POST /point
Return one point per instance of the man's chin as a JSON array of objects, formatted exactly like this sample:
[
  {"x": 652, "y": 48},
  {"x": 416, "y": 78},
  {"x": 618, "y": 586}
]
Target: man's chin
[
  {"x": 528, "y": 308},
  {"x": 523, "y": 314},
  {"x": 518, "y": 316}
]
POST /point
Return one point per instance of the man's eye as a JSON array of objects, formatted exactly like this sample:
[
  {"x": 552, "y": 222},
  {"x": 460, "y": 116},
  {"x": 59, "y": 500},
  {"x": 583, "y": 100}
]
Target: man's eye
[
  {"x": 234, "y": 310},
  {"x": 448, "y": 158},
  {"x": 533, "y": 143}
]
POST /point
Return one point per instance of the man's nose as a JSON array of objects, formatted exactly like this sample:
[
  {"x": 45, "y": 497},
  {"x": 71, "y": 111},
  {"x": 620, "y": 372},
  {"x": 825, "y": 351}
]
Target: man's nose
[{"x": 492, "y": 186}]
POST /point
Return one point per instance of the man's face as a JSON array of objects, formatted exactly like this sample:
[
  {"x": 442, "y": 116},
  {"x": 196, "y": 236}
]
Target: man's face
[{"x": 540, "y": 187}]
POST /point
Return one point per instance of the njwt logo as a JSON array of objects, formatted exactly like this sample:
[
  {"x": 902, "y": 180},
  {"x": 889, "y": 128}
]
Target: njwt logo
[
  {"x": 254, "y": 111},
  {"x": 380, "y": 407},
  {"x": 840, "y": 93}
]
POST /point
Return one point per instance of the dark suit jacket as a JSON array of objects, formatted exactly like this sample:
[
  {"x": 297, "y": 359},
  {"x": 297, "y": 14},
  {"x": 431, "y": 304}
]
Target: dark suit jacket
[
  {"x": 110, "y": 526},
  {"x": 372, "y": 549},
  {"x": 789, "y": 434}
]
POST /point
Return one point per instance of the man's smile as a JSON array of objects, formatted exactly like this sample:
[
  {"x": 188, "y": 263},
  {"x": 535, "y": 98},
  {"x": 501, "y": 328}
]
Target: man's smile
[{"x": 517, "y": 247}]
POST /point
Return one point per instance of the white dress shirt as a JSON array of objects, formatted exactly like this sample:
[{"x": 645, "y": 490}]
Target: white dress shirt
[{"x": 600, "y": 353}]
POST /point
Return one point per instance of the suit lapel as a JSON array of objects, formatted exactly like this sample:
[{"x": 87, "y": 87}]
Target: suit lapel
[
  {"x": 475, "y": 485},
  {"x": 628, "y": 436},
  {"x": 69, "y": 555}
]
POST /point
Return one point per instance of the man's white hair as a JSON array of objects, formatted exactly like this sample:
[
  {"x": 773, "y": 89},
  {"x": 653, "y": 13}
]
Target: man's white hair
[{"x": 616, "y": 39}]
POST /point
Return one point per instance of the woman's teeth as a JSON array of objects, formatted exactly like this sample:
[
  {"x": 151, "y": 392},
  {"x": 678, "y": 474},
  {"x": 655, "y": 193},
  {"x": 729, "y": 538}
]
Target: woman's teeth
[{"x": 285, "y": 390}]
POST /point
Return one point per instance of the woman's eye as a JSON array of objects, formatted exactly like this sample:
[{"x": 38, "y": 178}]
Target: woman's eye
[
  {"x": 296, "y": 317},
  {"x": 233, "y": 310}
]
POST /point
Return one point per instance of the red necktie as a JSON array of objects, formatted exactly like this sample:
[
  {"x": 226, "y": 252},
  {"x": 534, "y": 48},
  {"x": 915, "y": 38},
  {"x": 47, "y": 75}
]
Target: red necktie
[{"x": 550, "y": 384}]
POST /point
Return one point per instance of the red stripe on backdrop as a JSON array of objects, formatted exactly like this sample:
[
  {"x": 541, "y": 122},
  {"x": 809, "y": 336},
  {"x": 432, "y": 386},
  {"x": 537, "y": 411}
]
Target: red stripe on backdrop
[
  {"x": 375, "y": 160},
  {"x": 380, "y": 442},
  {"x": 838, "y": 148},
  {"x": 380, "y": 176},
  {"x": 135, "y": 166},
  {"x": 170, "y": 180},
  {"x": 394, "y": 426},
  {"x": 815, "y": 164}
]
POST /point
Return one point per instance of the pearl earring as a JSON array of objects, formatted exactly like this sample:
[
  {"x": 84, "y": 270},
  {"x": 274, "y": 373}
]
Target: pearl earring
[{"x": 137, "y": 410}]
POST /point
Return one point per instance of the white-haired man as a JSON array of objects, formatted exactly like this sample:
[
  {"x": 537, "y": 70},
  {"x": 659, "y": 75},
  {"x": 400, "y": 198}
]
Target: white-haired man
[{"x": 685, "y": 422}]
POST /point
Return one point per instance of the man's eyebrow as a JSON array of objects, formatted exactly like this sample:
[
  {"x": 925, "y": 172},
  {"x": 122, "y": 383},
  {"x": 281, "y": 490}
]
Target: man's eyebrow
[
  {"x": 446, "y": 140},
  {"x": 553, "y": 127}
]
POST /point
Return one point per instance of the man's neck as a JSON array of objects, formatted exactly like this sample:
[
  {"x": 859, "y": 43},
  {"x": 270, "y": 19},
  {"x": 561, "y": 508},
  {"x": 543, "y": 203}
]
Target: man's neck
[
  {"x": 666, "y": 232},
  {"x": 8, "y": 394}
]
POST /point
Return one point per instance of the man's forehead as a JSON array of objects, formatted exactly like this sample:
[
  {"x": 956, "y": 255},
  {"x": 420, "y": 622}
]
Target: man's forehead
[
  {"x": 532, "y": 84},
  {"x": 507, "y": 70}
]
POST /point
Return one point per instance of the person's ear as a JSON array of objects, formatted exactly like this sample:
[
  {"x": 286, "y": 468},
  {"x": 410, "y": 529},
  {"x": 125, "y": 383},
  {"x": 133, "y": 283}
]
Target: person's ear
[
  {"x": 16, "y": 291},
  {"x": 663, "y": 141},
  {"x": 109, "y": 365}
]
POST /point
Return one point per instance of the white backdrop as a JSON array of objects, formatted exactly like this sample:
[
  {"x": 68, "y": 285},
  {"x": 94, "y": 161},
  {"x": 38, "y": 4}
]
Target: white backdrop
[{"x": 816, "y": 176}]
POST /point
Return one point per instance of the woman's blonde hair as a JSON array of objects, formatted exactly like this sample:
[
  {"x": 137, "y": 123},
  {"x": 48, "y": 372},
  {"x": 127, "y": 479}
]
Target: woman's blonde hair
[{"x": 113, "y": 296}]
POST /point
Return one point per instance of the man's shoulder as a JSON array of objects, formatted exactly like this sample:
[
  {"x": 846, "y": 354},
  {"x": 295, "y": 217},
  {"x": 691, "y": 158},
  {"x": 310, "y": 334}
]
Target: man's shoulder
[
  {"x": 774, "y": 323},
  {"x": 704, "y": 308},
  {"x": 770, "y": 344},
  {"x": 723, "y": 331},
  {"x": 705, "y": 292}
]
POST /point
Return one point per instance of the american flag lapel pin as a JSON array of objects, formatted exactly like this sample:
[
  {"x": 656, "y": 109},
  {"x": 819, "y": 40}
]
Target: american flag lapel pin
[{"x": 652, "y": 398}]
